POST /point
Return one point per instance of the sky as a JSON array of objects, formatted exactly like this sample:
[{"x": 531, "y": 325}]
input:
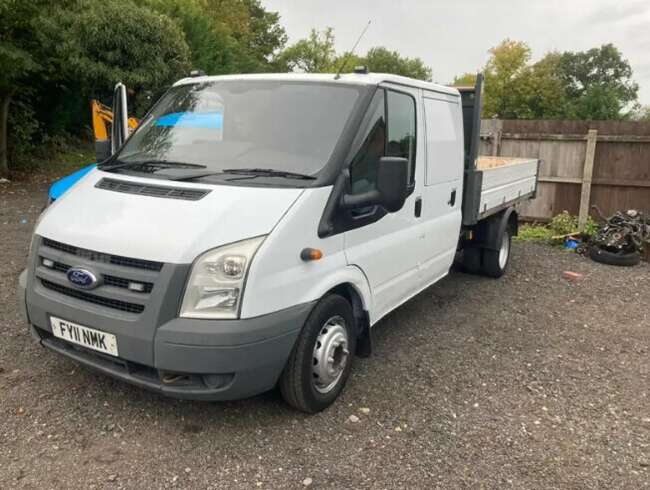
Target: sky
[{"x": 453, "y": 36}]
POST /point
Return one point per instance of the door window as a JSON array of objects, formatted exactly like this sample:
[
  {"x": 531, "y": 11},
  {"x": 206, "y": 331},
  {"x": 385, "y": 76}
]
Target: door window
[
  {"x": 388, "y": 129},
  {"x": 372, "y": 146},
  {"x": 401, "y": 129}
]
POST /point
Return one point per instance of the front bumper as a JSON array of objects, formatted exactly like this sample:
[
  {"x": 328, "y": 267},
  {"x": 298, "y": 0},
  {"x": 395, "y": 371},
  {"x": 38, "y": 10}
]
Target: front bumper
[
  {"x": 200, "y": 359},
  {"x": 183, "y": 358}
]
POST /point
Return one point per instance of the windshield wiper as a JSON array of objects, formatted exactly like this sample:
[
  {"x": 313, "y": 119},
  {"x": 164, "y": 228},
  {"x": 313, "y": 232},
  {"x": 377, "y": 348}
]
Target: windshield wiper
[
  {"x": 251, "y": 173},
  {"x": 152, "y": 164}
]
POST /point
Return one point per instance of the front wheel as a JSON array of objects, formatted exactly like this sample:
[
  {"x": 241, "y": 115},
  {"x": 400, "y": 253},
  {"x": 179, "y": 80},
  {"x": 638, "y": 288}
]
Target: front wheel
[
  {"x": 495, "y": 262},
  {"x": 320, "y": 362}
]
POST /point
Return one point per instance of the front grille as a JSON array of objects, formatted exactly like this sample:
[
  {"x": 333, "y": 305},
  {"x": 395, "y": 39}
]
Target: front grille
[
  {"x": 92, "y": 298},
  {"x": 118, "y": 282},
  {"x": 102, "y": 257},
  {"x": 182, "y": 193}
]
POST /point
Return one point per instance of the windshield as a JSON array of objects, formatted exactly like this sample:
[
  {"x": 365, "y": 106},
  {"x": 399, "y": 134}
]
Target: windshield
[{"x": 283, "y": 126}]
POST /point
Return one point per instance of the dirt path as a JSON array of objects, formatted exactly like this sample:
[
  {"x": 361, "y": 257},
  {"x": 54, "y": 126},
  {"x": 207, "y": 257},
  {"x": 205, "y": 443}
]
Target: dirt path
[{"x": 526, "y": 382}]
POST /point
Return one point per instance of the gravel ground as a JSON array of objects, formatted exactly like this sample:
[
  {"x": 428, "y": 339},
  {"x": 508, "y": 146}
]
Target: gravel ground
[{"x": 530, "y": 381}]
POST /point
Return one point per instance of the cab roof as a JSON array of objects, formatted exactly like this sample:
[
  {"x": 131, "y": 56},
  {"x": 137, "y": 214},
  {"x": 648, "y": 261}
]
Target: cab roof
[{"x": 347, "y": 79}]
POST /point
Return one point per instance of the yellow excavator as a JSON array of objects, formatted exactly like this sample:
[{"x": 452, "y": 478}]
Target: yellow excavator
[{"x": 102, "y": 122}]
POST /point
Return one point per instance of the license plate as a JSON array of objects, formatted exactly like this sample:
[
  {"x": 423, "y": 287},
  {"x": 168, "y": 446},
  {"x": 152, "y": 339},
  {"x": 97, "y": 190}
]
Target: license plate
[{"x": 88, "y": 337}]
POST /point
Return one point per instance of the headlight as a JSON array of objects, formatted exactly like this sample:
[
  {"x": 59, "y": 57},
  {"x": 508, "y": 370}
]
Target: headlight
[{"x": 216, "y": 283}]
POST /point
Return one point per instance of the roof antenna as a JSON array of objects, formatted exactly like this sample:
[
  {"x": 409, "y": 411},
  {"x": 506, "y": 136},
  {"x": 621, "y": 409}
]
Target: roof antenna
[{"x": 351, "y": 52}]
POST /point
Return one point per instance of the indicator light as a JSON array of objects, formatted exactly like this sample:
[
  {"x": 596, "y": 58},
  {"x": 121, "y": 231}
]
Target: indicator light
[{"x": 309, "y": 254}]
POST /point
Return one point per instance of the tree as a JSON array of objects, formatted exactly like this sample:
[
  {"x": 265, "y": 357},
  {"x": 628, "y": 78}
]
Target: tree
[
  {"x": 538, "y": 91},
  {"x": 507, "y": 62},
  {"x": 236, "y": 36},
  {"x": 464, "y": 80},
  {"x": 598, "y": 83},
  {"x": 642, "y": 113},
  {"x": 211, "y": 44},
  {"x": 382, "y": 60},
  {"x": 20, "y": 57},
  {"x": 317, "y": 54},
  {"x": 101, "y": 43},
  {"x": 594, "y": 84},
  {"x": 312, "y": 55}
]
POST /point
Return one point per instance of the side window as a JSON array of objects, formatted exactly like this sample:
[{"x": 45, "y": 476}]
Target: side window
[
  {"x": 401, "y": 129},
  {"x": 371, "y": 141}
]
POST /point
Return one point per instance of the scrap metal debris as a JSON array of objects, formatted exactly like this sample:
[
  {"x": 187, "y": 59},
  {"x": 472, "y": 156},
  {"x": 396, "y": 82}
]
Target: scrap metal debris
[{"x": 621, "y": 240}]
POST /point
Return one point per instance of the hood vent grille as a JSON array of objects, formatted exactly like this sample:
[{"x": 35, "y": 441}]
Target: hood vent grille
[{"x": 182, "y": 193}]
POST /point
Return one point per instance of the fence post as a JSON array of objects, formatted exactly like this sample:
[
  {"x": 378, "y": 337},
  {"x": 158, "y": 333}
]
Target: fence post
[
  {"x": 496, "y": 137},
  {"x": 587, "y": 174}
]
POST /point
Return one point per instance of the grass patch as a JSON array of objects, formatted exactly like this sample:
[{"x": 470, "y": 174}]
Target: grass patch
[
  {"x": 555, "y": 232},
  {"x": 54, "y": 159},
  {"x": 534, "y": 233}
]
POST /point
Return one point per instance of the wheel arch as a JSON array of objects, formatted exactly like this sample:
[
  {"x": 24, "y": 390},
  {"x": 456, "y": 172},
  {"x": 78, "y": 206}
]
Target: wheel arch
[
  {"x": 360, "y": 309},
  {"x": 495, "y": 227}
]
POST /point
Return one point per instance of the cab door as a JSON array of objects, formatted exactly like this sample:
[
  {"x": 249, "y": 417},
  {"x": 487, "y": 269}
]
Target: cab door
[
  {"x": 443, "y": 186},
  {"x": 388, "y": 247}
]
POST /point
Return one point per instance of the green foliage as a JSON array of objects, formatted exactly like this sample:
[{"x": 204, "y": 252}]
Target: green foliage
[
  {"x": 382, "y": 60},
  {"x": 561, "y": 225},
  {"x": 564, "y": 224},
  {"x": 595, "y": 84},
  {"x": 507, "y": 64},
  {"x": 464, "y": 80},
  {"x": 534, "y": 233},
  {"x": 19, "y": 52},
  {"x": 57, "y": 55},
  {"x": 598, "y": 83},
  {"x": 226, "y": 36},
  {"x": 57, "y": 157},
  {"x": 99, "y": 44},
  {"x": 642, "y": 114},
  {"x": 317, "y": 54},
  {"x": 25, "y": 125}
]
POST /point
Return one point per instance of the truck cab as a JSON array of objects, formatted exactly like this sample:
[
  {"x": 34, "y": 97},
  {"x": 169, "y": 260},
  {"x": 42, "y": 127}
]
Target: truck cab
[{"x": 254, "y": 228}]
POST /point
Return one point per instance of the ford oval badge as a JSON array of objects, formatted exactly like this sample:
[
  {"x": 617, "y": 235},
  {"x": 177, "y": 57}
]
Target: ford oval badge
[{"x": 82, "y": 278}]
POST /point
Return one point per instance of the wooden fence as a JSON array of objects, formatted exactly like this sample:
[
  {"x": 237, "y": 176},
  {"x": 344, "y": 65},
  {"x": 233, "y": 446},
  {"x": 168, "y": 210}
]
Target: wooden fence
[{"x": 606, "y": 163}]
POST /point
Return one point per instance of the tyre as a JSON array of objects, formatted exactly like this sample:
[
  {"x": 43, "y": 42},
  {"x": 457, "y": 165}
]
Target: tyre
[
  {"x": 611, "y": 258},
  {"x": 495, "y": 262},
  {"x": 472, "y": 259},
  {"x": 320, "y": 362}
]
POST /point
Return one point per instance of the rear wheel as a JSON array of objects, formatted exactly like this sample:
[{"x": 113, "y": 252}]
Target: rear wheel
[
  {"x": 320, "y": 362},
  {"x": 495, "y": 262},
  {"x": 472, "y": 260}
]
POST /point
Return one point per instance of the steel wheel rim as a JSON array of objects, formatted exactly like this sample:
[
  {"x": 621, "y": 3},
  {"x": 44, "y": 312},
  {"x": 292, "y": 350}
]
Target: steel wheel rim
[
  {"x": 330, "y": 355},
  {"x": 504, "y": 251}
]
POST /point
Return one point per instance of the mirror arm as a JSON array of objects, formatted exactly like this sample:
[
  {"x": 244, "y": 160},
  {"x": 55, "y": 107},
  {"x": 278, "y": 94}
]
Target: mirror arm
[{"x": 351, "y": 201}]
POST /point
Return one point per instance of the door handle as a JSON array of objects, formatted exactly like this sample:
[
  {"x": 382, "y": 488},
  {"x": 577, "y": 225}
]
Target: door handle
[
  {"x": 452, "y": 198},
  {"x": 418, "y": 207}
]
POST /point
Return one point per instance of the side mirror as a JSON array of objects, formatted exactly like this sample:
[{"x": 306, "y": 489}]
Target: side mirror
[
  {"x": 392, "y": 182},
  {"x": 120, "y": 126},
  {"x": 392, "y": 187}
]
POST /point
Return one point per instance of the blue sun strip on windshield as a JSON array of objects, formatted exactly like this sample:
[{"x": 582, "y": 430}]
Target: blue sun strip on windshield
[{"x": 201, "y": 120}]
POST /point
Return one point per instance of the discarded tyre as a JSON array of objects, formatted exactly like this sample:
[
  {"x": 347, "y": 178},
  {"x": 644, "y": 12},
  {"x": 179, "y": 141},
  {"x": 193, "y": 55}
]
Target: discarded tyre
[{"x": 625, "y": 259}]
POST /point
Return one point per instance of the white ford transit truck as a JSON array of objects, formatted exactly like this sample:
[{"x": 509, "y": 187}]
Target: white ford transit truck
[{"x": 254, "y": 228}]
